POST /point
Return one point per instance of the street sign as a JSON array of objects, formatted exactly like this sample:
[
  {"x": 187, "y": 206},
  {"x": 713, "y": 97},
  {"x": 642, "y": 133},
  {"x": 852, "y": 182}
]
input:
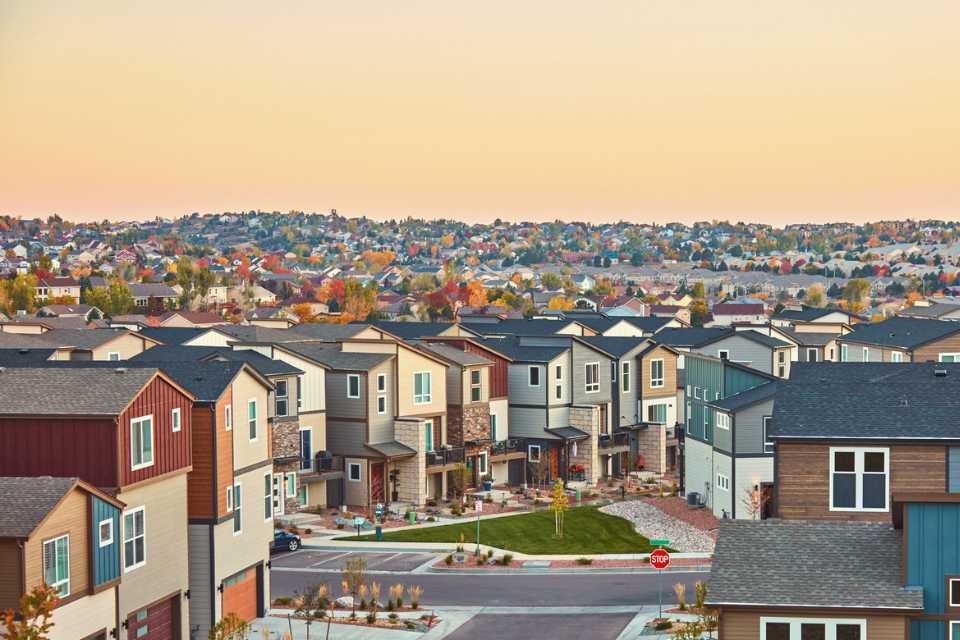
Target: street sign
[
  {"x": 659, "y": 542},
  {"x": 358, "y": 521},
  {"x": 660, "y": 559},
  {"x": 478, "y": 506}
]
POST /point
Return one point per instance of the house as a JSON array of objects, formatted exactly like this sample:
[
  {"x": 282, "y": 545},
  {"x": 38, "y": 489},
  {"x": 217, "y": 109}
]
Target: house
[
  {"x": 143, "y": 292},
  {"x": 832, "y": 467},
  {"x": 275, "y": 317},
  {"x": 747, "y": 347},
  {"x": 809, "y": 346},
  {"x": 81, "y": 344},
  {"x": 57, "y": 288},
  {"x": 198, "y": 319},
  {"x": 901, "y": 339},
  {"x": 931, "y": 311},
  {"x": 84, "y": 311},
  {"x": 624, "y": 306},
  {"x": 727, "y": 314},
  {"x": 801, "y": 314},
  {"x": 65, "y": 533},
  {"x": 127, "y": 431}
]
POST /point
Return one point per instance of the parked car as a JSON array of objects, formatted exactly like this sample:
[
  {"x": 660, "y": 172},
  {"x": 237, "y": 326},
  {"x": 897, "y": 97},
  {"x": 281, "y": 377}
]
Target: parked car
[{"x": 285, "y": 541}]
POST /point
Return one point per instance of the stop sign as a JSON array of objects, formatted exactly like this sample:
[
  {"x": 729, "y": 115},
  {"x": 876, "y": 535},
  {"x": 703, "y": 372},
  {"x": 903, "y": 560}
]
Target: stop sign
[{"x": 660, "y": 559}]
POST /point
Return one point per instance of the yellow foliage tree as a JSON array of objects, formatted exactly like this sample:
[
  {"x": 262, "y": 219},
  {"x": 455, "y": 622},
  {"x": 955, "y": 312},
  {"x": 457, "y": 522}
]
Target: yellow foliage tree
[{"x": 560, "y": 303}]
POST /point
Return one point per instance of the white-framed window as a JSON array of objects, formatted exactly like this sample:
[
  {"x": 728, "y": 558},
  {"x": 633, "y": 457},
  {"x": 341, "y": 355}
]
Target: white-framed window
[
  {"x": 482, "y": 465},
  {"x": 353, "y": 385},
  {"x": 428, "y": 435},
  {"x": 113, "y": 356},
  {"x": 354, "y": 472},
  {"x": 237, "y": 509},
  {"x": 558, "y": 383},
  {"x": 723, "y": 354},
  {"x": 134, "y": 538},
  {"x": 303, "y": 495},
  {"x": 56, "y": 564},
  {"x": 696, "y": 393},
  {"x": 859, "y": 479},
  {"x": 625, "y": 376},
  {"x": 866, "y": 354},
  {"x": 533, "y": 376},
  {"x": 533, "y": 453},
  {"x": 306, "y": 449},
  {"x": 228, "y": 417},
  {"x": 299, "y": 393},
  {"x": 896, "y": 356},
  {"x": 723, "y": 421},
  {"x": 381, "y": 405},
  {"x": 475, "y": 392},
  {"x": 844, "y": 353},
  {"x": 767, "y": 442},
  {"x": 290, "y": 485},
  {"x": 381, "y": 383},
  {"x": 421, "y": 387},
  {"x": 813, "y": 355},
  {"x": 613, "y": 372},
  {"x": 230, "y": 499},
  {"x": 949, "y": 357},
  {"x": 141, "y": 442},
  {"x": 723, "y": 482},
  {"x": 656, "y": 374},
  {"x": 954, "y": 630},
  {"x": 252, "y": 419},
  {"x": 657, "y": 413},
  {"x": 591, "y": 377},
  {"x": 105, "y": 533},
  {"x": 493, "y": 427},
  {"x": 281, "y": 397},
  {"x": 803, "y": 628},
  {"x": 267, "y": 495},
  {"x": 953, "y": 592},
  {"x": 175, "y": 420}
]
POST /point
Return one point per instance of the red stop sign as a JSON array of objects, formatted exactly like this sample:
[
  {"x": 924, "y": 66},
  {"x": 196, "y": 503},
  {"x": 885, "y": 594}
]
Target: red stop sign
[{"x": 660, "y": 559}]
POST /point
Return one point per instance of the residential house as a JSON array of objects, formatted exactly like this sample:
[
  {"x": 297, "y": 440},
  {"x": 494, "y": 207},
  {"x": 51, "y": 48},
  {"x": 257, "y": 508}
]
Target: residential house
[
  {"x": 57, "y": 287},
  {"x": 830, "y": 319},
  {"x": 127, "y": 431},
  {"x": 143, "y": 292},
  {"x": 65, "y": 533},
  {"x": 931, "y": 311},
  {"x": 728, "y": 313},
  {"x": 901, "y": 339},
  {"x": 747, "y": 347}
]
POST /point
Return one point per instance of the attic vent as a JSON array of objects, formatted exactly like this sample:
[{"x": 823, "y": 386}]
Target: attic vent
[
  {"x": 23, "y": 351},
  {"x": 904, "y": 402},
  {"x": 940, "y": 373},
  {"x": 120, "y": 370}
]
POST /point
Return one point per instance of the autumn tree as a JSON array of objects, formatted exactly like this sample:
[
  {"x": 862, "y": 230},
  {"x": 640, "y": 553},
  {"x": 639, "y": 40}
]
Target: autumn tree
[
  {"x": 559, "y": 505},
  {"x": 855, "y": 293},
  {"x": 33, "y": 620},
  {"x": 550, "y": 281},
  {"x": 698, "y": 312},
  {"x": 560, "y": 303},
  {"x": 304, "y": 313},
  {"x": 20, "y": 293},
  {"x": 475, "y": 294},
  {"x": 816, "y": 296}
]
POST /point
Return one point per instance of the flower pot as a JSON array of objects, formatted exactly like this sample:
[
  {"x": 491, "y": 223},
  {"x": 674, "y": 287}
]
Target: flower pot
[{"x": 488, "y": 485}]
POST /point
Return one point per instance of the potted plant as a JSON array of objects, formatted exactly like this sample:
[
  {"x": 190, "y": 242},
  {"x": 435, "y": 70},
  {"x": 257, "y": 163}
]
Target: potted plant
[{"x": 488, "y": 482}]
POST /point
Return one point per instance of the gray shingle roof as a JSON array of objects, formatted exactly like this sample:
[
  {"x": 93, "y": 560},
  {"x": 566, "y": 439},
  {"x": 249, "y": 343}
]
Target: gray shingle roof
[
  {"x": 172, "y": 335},
  {"x": 412, "y": 330},
  {"x": 176, "y": 353},
  {"x": 691, "y": 336},
  {"x": 206, "y": 380},
  {"x": 809, "y": 564},
  {"x": 615, "y": 345},
  {"x": 25, "y": 502},
  {"x": 905, "y": 333},
  {"x": 748, "y": 397},
  {"x": 510, "y": 348},
  {"x": 809, "y": 338},
  {"x": 70, "y": 390},
  {"x": 935, "y": 310},
  {"x": 9, "y": 357},
  {"x": 805, "y": 313},
  {"x": 331, "y": 356},
  {"x": 540, "y": 327},
  {"x": 457, "y": 356},
  {"x": 759, "y": 338}
]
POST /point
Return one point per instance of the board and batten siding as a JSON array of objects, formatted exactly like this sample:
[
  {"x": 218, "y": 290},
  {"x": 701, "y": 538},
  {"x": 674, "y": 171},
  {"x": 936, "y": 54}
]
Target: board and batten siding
[
  {"x": 106, "y": 559},
  {"x": 669, "y": 388},
  {"x": 745, "y": 625},
  {"x": 312, "y": 382},
  {"x": 201, "y": 596},
  {"x": 953, "y": 470},
  {"x": 60, "y": 447},
  {"x": 10, "y": 587},
  {"x": 69, "y": 517},
  {"x": 748, "y": 430},
  {"x": 932, "y": 350},
  {"x": 339, "y": 405},
  {"x": 345, "y": 438},
  {"x": 520, "y": 390},
  {"x": 742, "y": 351}
]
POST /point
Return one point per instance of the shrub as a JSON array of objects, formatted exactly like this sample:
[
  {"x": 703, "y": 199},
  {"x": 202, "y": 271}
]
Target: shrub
[
  {"x": 371, "y": 618},
  {"x": 584, "y": 561},
  {"x": 700, "y": 587},
  {"x": 282, "y": 601},
  {"x": 663, "y": 625},
  {"x": 449, "y": 559},
  {"x": 489, "y": 553},
  {"x": 308, "y": 531},
  {"x": 480, "y": 561},
  {"x": 409, "y": 625},
  {"x": 339, "y": 525},
  {"x": 506, "y": 559},
  {"x": 431, "y": 519},
  {"x": 680, "y": 590},
  {"x": 393, "y": 616}
]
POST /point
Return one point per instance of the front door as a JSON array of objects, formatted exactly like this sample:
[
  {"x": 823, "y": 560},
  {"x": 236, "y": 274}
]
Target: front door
[
  {"x": 377, "y": 491},
  {"x": 278, "y": 494},
  {"x": 554, "y": 457},
  {"x": 155, "y": 622}
]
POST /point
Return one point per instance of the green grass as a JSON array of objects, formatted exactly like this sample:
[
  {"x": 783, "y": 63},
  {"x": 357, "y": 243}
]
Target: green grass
[{"x": 586, "y": 531}]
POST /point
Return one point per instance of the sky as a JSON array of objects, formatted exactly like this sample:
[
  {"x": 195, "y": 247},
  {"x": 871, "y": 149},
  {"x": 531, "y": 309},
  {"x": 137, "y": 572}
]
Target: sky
[{"x": 643, "y": 110}]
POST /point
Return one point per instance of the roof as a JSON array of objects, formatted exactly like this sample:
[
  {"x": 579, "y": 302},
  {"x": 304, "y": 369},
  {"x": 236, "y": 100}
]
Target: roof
[
  {"x": 510, "y": 348},
  {"x": 392, "y": 449},
  {"x": 332, "y": 356},
  {"x": 326, "y": 332},
  {"x": 172, "y": 335},
  {"x": 540, "y": 327},
  {"x": 71, "y": 390},
  {"x": 596, "y": 322},
  {"x": 935, "y": 310},
  {"x": 648, "y": 323},
  {"x": 808, "y": 338},
  {"x": 177, "y": 353},
  {"x": 568, "y": 433},
  {"x": 762, "y": 338},
  {"x": 25, "y": 502},
  {"x": 781, "y": 563},
  {"x": 25, "y": 355},
  {"x": 905, "y": 333},
  {"x": 454, "y": 355},
  {"x": 736, "y": 309},
  {"x": 615, "y": 345},
  {"x": 806, "y": 314},
  {"x": 151, "y": 290},
  {"x": 412, "y": 330},
  {"x": 205, "y": 380},
  {"x": 872, "y": 400},
  {"x": 83, "y": 338},
  {"x": 691, "y": 336},
  {"x": 747, "y": 398}
]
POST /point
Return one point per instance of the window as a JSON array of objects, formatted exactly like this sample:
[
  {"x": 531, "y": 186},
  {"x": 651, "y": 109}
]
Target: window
[
  {"x": 228, "y": 417},
  {"x": 252, "y": 418},
  {"x": 134, "y": 538},
  {"x": 381, "y": 383},
  {"x": 237, "y": 509},
  {"x": 866, "y": 354},
  {"x": 428, "y": 435},
  {"x": 625, "y": 376},
  {"x": 56, "y": 564},
  {"x": 303, "y": 495},
  {"x": 421, "y": 387},
  {"x": 844, "y": 353},
  {"x": 533, "y": 376},
  {"x": 306, "y": 449},
  {"x": 954, "y": 631},
  {"x": 493, "y": 427},
  {"x": 354, "y": 472},
  {"x": 723, "y": 421},
  {"x": 299, "y": 393},
  {"x": 475, "y": 377},
  {"x": 591, "y": 377},
  {"x": 723, "y": 354},
  {"x": 949, "y": 357},
  {"x": 953, "y": 592},
  {"x": 113, "y": 356},
  {"x": 175, "y": 420},
  {"x": 858, "y": 479},
  {"x": 533, "y": 453},
  {"x": 381, "y": 405},
  {"x": 696, "y": 393},
  {"x": 105, "y": 532},
  {"x": 812, "y": 629},
  {"x": 281, "y": 397},
  {"x": 482, "y": 463},
  {"x": 229, "y": 499},
  {"x": 558, "y": 384},
  {"x": 290, "y": 480},
  {"x": 141, "y": 442},
  {"x": 767, "y": 442},
  {"x": 953, "y": 469},
  {"x": 812, "y": 355},
  {"x": 657, "y": 413},
  {"x": 896, "y": 356},
  {"x": 723, "y": 482},
  {"x": 267, "y": 496},
  {"x": 656, "y": 375},
  {"x": 353, "y": 386},
  {"x": 613, "y": 371}
]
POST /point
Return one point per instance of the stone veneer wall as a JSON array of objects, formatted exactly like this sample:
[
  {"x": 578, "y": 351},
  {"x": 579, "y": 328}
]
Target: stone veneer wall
[
  {"x": 286, "y": 442},
  {"x": 466, "y": 423},
  {"x": 412, "y": 485},
  {"x": 587, "y": 418},
  {"x": 652, "y": 445}
]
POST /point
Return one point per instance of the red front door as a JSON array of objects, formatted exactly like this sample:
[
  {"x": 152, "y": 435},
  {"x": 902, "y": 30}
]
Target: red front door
[{"x": 377, "y": 491}]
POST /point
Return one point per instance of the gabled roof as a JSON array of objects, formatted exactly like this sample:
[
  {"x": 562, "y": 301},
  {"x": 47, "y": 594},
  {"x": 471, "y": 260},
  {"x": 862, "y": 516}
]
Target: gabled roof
[
  {"x": 781, "y": 563},
  {"x": 653, "y": 324},
  {"x": 935, "y": 310},
  {"x": 452, "y": 355},
  {"x": 510, "y": 347},
  {"x": 691, "y": 336},
  {"x": 747, "y": 398},
  {"x": 905, "y": 333},
  {"x": 412, "y": 330},
  {"x": 25, "y": 502},
  {"x": 807, "y": 314},
  {"x": 25, "y": 355},
  {"x": 172, "y": 335},
  {"x": 540, "y": 327},
  {"x": 151, "y": 290},
  {"x": 615, "y": 345},
  {"x": 326, "y": 332},
  {"x": 330, "y": 355},
  {"x": 177, "y": 353},
  {"x": 761, "y": 338},
  {"x": 807, "y": 338},
  {"x": 735, "y": 309}
]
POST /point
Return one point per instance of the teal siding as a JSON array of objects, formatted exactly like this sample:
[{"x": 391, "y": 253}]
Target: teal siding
[
  {"x": 933, "y": 552},
  {"x": 737, "y": 380},
  {"x": 106, "y": 559},
  {"x": 714, "y": 380},
  {"x": 953, "y": 474}
]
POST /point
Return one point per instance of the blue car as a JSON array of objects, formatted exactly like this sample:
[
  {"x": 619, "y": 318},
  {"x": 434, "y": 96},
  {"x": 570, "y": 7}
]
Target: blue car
[{"x": 285, "y": 541}]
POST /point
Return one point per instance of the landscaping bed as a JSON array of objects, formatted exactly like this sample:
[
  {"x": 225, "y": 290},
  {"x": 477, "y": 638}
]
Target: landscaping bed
[{"x": 649, "y": 520}]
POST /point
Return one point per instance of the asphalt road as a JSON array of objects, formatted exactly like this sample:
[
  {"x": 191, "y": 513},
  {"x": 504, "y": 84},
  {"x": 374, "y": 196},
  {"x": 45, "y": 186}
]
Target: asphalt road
[
  {"x": 554, "y": 627},
  {"x": 533, "y": 589}
]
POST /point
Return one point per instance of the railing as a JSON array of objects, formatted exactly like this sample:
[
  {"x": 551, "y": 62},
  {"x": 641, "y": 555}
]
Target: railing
[
  {"x": 506, "y": 446},
  {"x": 324, "y": 461},
  {"x": 614, "y": 440},
  {"x": 447, "y": 455}
]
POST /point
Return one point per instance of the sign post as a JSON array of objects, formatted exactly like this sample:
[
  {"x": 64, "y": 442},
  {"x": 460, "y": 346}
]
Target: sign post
[
  {"x": 478, "y": 507},
  {"x": 660, "y": 560},
  {"x": 358, "y": 522}
]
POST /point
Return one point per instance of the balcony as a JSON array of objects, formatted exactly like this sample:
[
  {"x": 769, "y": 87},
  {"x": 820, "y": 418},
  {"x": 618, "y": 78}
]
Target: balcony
[
  {"x": 446, "y": 456},
  {"x": 325, "y": 467},
  {"x": 614, "y": 442},
  {"x": 508, "y": 450},
  {"x": 324, "y": 461}
]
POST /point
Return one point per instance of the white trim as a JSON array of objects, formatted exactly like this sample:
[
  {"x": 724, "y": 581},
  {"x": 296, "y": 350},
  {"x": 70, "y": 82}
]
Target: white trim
[
  {"x": 286, "y": 485},
  {"x": 486, "y": 463},
  {"x": 381, "y": 377},
  {"x": 381, "y": 398},
  {"x": 350, "y": 377},
  {"x": 230, "y": 499},
  {"x": 268, "y": 476},
  {"x": 176, "y": 420},
  {"x": 111, "y": 354},
  {"x": 858, "y": 473},
  {"x": 723, "y": 482},
  {"x": 237, "y": 507},
  {"x": 830, "y": 625},
  {"x": 625, "y": 376},
  {"x": 228, "y": 417},
  {"x": 425, "y": 398},
  {"x": 143, "y": 464},
  {"x": 100, "y": 542},
  {"x": 285, "y": 398},
  {"x": 896, "y": 356},
  {"x": 723, "y": 420},
  {"x": 558, "y": 383},
  {"x": 530, "y": 448},
  {"x": 950, "y": 593},
  {"x": 844, "y": 353},
  {"x": 530, "y": 369},
  {"x": 253, "y": 420},
  {"x": 768, "y": 444},
  {"x": 587, "y": 387},
  {"x": 132, "y": 512},
  {"x": 953, "y": 625},
  {"x": 478, "y": 385},
  {"x": 428, "y": 441},
  {"x": 723, "y": 354},
  {"x": 350, "y": 467},
  {"x": 657, "y": 383},
  {"x": 866, "y": 354},
  {"x": 955, "y": 357},
  {"x": 815, "y": 352},
  {"x": 63, "y": 581}
]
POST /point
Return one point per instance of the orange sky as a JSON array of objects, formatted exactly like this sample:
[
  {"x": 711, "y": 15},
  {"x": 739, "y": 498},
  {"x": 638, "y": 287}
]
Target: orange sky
[{"x": 646, "y": 110}]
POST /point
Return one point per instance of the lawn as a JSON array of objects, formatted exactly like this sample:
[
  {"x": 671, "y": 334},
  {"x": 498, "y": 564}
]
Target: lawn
[{"x": 586, "y": 531}]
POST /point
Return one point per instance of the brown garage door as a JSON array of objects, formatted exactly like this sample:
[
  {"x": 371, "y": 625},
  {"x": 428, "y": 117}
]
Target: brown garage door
[
  {"x": 240, "y": 594},
  {"x": 153, "y": 623}
]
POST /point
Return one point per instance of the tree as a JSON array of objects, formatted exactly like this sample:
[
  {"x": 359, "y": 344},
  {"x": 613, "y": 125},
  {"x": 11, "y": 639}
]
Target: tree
[
  {"x": 816, "y": 296},
  {"x": 854, "y": 293},
  {"x": 697, "y": 290},
  {"x": 698, "y": 312},
  {"x": 559, "y": 505},
  {"x": 33, "y": 620},
  {"x": 231, "y": 627},
  {"x": 304, "y": 313},
  {"x": 550, "y": 280},
  {"x": 121, "y": 300},
  {"x": 353, "y": 576},
  {"x": 475, "y": 294},
  {"x": 20, "y": 294},
  {"x": 560, "y": 303}
]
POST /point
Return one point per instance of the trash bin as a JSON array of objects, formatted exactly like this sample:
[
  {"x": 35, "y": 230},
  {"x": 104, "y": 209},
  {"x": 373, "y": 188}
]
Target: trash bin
[
  {"x": 693, "y": 499},
  {"x": 413, "y": 518},
  {"x": 379, "y": 533}
]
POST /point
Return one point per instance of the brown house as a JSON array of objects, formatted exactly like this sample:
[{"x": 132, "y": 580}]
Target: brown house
[{"x": 902, "y": 340}]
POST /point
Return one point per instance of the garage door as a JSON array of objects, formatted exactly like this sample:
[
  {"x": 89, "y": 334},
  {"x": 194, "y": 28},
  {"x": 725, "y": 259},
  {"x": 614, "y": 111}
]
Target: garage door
[
  {"x": 153, "y": 623},
  {"x": 240, "y": 594}
]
